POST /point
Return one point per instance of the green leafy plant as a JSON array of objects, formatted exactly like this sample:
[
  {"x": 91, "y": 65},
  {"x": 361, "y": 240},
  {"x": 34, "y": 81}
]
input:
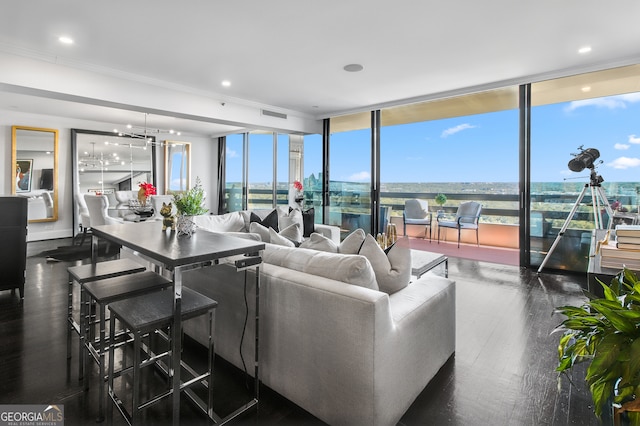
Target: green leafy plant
[
  {"x": 606, "y": 331},
  {"x": 441, "y": 199},
  {"x": 191, "y": 202}
]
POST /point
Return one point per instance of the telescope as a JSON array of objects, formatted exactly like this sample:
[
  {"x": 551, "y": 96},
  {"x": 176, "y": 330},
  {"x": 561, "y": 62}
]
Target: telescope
[{"x": 584, "y": 159}]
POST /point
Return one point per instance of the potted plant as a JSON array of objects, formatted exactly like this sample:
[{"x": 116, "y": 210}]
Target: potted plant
[
  {"x": 188, "y": 204},
  {"x": 606, "y": 331},
  {"x": 440, "y": 199}
]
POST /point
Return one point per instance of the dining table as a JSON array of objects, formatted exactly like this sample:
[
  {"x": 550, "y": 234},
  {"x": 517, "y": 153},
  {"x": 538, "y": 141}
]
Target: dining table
[{"x": 175, "y": 254}]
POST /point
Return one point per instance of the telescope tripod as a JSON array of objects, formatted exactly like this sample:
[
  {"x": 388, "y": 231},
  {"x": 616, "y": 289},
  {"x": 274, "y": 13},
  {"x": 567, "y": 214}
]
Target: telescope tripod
[{"x": 599, "y": 200}]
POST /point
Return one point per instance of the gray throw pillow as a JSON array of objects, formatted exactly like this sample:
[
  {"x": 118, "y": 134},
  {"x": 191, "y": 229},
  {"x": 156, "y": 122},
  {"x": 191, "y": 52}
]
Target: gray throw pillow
[
  {"x": 320, "y": 242},
  {"x": 352, "y": 242},
  {"x": 393, "y": 270}
]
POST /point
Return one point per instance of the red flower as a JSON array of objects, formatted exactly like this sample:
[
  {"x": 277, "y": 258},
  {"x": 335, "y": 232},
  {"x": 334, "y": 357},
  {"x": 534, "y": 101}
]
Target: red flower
[
  {"x": 149, "y": 189},
  {"x": 297, "y": 185}
]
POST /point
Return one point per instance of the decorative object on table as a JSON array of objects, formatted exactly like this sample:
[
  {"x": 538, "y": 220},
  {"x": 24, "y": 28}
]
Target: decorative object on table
[
  {"x": 168, "y": 219},
  {"x": 189, "y": 204},
  {"x": 606, "y": 331},
  {"x": 296, "y": 196}
]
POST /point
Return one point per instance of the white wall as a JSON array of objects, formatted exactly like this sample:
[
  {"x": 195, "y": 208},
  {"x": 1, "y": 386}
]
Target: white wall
[{"x": 203, "y": 164}]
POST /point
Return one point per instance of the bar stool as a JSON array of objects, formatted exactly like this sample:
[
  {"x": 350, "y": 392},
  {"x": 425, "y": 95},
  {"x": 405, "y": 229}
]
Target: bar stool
[
  {"x": 83, "y": 274},
  {"x": 102, "y": 293},
  {"x": 142, "y": 315}
]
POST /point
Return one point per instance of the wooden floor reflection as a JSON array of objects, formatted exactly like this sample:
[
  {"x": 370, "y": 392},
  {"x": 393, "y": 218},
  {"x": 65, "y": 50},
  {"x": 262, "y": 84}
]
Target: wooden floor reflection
[{"x": 502, "y": 372}]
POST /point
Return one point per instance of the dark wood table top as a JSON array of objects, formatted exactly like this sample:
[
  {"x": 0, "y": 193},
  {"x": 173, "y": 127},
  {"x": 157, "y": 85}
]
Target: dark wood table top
[{"x": 173, "y": 250}]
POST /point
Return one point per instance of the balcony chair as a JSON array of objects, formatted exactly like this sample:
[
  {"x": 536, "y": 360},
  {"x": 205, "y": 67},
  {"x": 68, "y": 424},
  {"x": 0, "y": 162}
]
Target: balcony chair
[
  {"x": 467, "y": 217},
  {"x": 416, "y": 212}
]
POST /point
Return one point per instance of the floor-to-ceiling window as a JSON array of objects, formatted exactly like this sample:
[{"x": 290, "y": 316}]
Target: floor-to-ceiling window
[
  {"x": 350, "y": 172},
  {"x": 234, "y": 181},
  {"x": 595, "y": 111},
  {"x": 312, "y": 176},
  {"x": 465, "y": 148},
  {"x": 282, "y": 168},
  {"x": 261, "y": 168}
]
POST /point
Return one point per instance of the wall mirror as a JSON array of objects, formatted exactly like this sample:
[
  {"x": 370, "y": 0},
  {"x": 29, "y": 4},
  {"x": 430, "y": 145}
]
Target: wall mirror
[
  {"x": 113, "y": 165},
  {"x": 34, "y": 171},
  {"x": 177, "y": 166}
]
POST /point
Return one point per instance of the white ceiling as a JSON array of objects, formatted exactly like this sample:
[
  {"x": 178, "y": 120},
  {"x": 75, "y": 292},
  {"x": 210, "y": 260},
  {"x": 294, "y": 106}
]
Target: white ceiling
[{"x": 289, "y": 55}]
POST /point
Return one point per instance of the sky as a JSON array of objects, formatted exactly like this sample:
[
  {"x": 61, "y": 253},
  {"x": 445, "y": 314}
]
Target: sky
[{"x": 477, "y": 148}]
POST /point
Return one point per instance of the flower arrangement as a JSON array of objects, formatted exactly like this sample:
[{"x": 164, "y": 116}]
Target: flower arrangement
[
  {"x": 148, "y": 189},
  {"x": 297, "y": 185}
]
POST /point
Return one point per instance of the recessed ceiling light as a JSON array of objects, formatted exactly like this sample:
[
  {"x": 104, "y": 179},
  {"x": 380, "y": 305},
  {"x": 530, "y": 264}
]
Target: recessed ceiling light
[
  {"x": 65, "y": 40},
  {"x": 585, "y": 49},
  {"x": 353, "y": 68},
  {"x": 226, "y": 83},
  {"x": 586, "y": 89}
]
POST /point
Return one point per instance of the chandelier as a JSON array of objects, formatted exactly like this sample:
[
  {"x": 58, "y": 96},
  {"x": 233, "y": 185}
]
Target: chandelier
[{"x": 145, "y": 132}]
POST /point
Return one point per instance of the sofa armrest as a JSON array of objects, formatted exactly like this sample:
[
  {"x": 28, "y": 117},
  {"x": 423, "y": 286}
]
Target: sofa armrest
[{"x": 330, "y": 231}]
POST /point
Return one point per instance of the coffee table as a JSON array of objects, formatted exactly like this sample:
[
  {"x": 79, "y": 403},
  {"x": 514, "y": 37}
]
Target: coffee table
[{"x": 424, "y": 261}]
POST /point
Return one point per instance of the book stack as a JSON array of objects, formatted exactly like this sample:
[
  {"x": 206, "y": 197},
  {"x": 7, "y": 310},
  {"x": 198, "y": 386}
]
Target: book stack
[{"x": 624, "y": 250}]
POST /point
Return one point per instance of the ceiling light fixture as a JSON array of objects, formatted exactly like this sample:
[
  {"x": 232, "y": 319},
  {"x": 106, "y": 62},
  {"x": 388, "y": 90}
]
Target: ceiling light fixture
[
  {"x": 353, "y": 68},
  {"x": 585, "y": 49},
  {"x": 586, "y": 89},
  {"x": 65, "y": 40},
  {"x": 226, "y": 83},
  {"x": 144, "y": 132}
]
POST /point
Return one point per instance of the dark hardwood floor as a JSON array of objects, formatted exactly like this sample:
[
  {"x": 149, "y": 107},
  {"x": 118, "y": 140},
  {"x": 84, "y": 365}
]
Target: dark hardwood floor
[{"x": 502, "y": 372}]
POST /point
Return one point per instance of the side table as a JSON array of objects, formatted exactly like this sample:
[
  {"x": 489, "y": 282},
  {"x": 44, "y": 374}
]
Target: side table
[{"x": 424, "y": 261}]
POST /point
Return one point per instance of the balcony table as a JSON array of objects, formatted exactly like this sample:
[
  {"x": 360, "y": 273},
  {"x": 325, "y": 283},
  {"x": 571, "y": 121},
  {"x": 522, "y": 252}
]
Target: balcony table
[{"x": 177, "y": 254}]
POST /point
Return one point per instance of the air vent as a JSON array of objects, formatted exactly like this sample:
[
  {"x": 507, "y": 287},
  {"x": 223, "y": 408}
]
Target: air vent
[{"x": 274, "y": 114}]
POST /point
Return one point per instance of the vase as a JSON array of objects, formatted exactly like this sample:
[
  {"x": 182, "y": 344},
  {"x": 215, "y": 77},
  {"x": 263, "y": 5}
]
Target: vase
[{"x": 185, "y": 225}]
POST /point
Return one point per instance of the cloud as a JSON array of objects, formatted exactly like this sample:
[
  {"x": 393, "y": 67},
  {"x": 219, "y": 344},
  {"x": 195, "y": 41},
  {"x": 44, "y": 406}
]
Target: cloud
[
  {"x": 621, "y": 146},
  {"x": 359, "y": 177},
  {"x": 231, "y": 153},
  {"x": 452, "y": 130},
  {"x": 610, "y": 102},
  {"x": 633, "y": 139},
  {"x": 624, "y": 163}
]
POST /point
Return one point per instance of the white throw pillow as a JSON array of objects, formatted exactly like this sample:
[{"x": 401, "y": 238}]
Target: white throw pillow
[
  {"x": 292, "y": 232},
  {"x": 352, "y": 242},
  {"x": 289, "y": 218},
  {"x": 393, "y": 269},
  {"x": 229, "y": 222},
  {"x": 263, "y": 231},
  {"x": 275, "y": 238},
  {"x": 320, "y": 242}
]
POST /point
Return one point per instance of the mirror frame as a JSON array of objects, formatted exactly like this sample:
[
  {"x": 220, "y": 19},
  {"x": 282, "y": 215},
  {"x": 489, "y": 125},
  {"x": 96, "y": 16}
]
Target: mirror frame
[
  {"x": 74, "y": 155},
  {"x": 14, "y": 159},
  {"x": 185, "y": 148}
]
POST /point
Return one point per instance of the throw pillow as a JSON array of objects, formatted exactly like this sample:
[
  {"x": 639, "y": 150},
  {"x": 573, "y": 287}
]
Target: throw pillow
[
  {"x": 293, "y": 216},
  {"x": 393, "y": 270},
  {"x": 308, "y": 222},
  {"x": 293, "y": 233},
  {"x": 275, "y": 238},
  {"x": 270, "y": 221},
  {"x": 352, "y": 242},
  {"x": 263, "y": 231},
  {"x": 320, "y": 242}
]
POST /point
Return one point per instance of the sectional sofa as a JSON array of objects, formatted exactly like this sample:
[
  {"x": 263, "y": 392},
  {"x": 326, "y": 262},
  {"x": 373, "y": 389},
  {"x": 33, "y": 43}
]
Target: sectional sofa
[{"x": 331, "y": 339}]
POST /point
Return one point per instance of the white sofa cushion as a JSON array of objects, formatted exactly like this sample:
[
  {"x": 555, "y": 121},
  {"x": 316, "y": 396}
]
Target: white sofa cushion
[
  {"x": 291, "y": 217},
  {"x": 351, "y": 269},
  {"x": 392, "y": 269},
  {"x": 319, "y": 242},
  {"x": 263, "y": 231},
  {"x": 293, "y": 232},
  {"x": 229, "y": 222}
]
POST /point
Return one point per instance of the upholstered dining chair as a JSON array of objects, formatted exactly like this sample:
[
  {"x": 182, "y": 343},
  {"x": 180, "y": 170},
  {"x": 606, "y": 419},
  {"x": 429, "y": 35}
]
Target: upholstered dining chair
[
  {"x": 83, "y": 215},
  {"x": 467, "y": 217},
  {"x": 98, "y": 207},
  {"x": 416, "y": 212}
]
